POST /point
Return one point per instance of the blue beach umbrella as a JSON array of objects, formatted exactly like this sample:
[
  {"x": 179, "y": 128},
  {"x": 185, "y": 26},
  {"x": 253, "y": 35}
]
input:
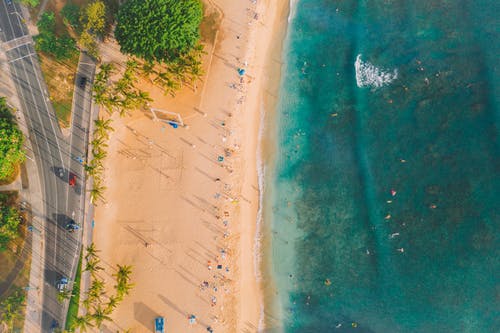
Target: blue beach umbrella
[{"x": 241, "y": 71}]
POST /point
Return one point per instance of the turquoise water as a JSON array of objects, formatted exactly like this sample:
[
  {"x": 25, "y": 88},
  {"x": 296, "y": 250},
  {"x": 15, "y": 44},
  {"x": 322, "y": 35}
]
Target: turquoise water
[{"x": 384, "y": 197}]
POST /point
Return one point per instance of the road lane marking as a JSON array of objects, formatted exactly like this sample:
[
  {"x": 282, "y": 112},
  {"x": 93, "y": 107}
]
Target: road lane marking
[{"x": 25, "y": 56}]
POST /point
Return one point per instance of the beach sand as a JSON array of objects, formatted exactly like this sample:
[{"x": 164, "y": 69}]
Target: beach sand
[{"x": 181, "y": 202}]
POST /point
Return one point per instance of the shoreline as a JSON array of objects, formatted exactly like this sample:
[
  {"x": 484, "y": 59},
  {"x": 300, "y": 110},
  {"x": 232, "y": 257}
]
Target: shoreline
[{"x": 268, "y": 318}]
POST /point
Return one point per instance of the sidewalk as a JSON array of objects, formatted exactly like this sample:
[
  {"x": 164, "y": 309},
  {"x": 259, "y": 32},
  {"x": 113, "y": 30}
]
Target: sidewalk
[{"x": 32, "y": 194}]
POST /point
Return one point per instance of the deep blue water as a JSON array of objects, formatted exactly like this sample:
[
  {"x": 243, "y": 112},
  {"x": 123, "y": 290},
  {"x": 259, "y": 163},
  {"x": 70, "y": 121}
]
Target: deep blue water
[{"x": 384, "y": 198}]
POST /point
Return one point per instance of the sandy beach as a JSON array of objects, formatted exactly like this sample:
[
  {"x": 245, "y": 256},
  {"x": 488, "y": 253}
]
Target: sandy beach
[{"x": 182, "y": 203}]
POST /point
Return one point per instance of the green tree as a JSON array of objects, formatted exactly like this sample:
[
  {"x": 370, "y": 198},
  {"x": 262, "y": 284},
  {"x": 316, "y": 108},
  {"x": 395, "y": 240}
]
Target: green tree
[
  {"x": 82, "y": 323},
  {"x": 64, "y": 295},
  {"x": 10, "y": 219},
  {"x": 92, "y": 266},
  {"x": 97, "y": 193},
  {"x": 91, "y": 252},
  {"x": 159, "y": 30},
  {"x": 103, "y": 127},
  {"x": 11, "y": 307},
  {"x": 46, "y": 41},
  {"x": 32, "y": 3},
  {"x": 47, "y": 22},
  {"x": 11, "y": 142},
  {"x": 94, "y": 18},
  {"x": 71, "y": 14},
  {"x": 96, "y": 289},
  {"x": 99, "y": 316},
  {"x": 112, "y": 303}
]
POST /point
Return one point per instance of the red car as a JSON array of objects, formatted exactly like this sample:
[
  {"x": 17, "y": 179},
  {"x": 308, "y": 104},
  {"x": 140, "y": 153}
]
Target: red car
[{"x": 72, "y": 179}]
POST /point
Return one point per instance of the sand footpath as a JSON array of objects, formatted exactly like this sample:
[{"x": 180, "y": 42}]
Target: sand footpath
[{"x": 182, "y": 203}]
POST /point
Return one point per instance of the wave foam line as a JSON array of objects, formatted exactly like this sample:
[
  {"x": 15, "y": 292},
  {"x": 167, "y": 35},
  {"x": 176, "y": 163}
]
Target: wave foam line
[{"x": 367, "y": 75}]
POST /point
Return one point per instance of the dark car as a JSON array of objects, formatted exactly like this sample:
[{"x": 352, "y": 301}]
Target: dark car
[
  {"x": 82, "y": 81},
  {"x": 72, "y": 226}
]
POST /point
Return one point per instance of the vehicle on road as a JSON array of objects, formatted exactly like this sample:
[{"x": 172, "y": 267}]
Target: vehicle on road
[
  {"x": 82, "y": 81},
  {"x": 72, "y": 226},
  {"x": 159, "y": 325},
  {"x": 72, "y": 179},
  {"x": 62, "y": 283},
  {"x": 54, "y": 327}
]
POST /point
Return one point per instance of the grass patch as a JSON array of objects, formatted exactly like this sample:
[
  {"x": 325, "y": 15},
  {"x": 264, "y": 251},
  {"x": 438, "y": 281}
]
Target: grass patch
[
  {"x": 75, "y": 300},
  {"x": 60, "y": 77},
  {"x": 60, "y": 74}
]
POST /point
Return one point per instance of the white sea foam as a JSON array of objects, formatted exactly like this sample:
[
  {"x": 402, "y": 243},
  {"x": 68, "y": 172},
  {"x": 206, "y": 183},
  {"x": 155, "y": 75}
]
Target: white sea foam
[
  {"x": 368, "y": 75},
  {"x": 258, "y": 228},
  {"x": 292, "y": 10}
]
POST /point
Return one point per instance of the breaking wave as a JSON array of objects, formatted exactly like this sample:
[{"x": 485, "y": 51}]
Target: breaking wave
[{"x": 367, "y": 75}]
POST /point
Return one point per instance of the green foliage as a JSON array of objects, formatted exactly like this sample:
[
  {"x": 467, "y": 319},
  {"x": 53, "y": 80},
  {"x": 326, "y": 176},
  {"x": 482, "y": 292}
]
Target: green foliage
[
  {"x": 98, "y": 304},
  {"x": 32, "y": 3},
  {"x": 63, "y": 47},
  {"x": 93, "y": 21},
  {"x": 11, "y": 142},
  {"x": 94, "y": 17},
  {"x": 11, "y": 307},
  {"x": 71, "y": 14},
  {"x": 159, "y": 30},
  {"x": 72, "y": 316},
  {"x": 10, "y": 219},
  {"x": 47, "y": 22}
]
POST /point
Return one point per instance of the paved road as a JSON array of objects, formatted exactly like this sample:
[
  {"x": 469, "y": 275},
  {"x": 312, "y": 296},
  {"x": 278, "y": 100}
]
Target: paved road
[{"x": 56, "y": 157}]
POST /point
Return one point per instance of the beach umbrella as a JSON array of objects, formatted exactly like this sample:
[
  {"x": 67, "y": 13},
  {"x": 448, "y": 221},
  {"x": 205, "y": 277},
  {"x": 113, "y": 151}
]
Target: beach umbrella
[{"x": 241, "y": 71}]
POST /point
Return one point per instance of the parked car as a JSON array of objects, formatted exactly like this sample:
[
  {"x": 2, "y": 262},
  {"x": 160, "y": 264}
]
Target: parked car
[
  {"x": 72, "y": 226},
  {"x": 72, "y": 179},
  {"x": 82, "y": 81},
  {"x": 62, "y": 283}
]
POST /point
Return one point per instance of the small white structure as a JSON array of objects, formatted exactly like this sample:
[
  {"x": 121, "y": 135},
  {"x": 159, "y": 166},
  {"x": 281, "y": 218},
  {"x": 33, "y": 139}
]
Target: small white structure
[{"x": 167, "y": 117}]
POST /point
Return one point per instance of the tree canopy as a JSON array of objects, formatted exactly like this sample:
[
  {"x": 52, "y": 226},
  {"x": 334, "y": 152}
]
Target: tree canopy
[
  {"x": 159, "y": 30},
  {"x": 11, "y": 142},
  {"x": 10, "y": 218},
  {"x": 47, "y": 41}
]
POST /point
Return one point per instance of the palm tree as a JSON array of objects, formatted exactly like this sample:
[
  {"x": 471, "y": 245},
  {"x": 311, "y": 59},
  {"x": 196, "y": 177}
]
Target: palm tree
[
  {"x": 148, "y": 69},
  {"x": 82, "y": 323},
  {"x": 92, "y": 266},
  {"x": 92, "y": 168},
  {"x": 99, "y": 316},
  {"x": 98, "y": 141},
  {"x": 123, "y": 289},
  {"x": 64, "y": 295},
  {"x": 96, "y": 289},
  {"x": 106, "y": 69},
  {"x": 99, "y": 153},
  {"x": 123, "y": 273},
  {"x": 112, "y": 304},
  {"x": 103, "y": 127},
  {"x": 97, "y": 193},
  {"x": 91, "y": 252}
]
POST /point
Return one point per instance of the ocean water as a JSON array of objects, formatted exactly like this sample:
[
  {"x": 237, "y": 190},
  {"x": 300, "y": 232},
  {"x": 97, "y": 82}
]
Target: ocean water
[{"x": 383, "y": 197}]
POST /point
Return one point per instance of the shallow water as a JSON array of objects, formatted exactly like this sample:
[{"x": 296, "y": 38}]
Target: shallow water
[{"x": 384, "y": 199}]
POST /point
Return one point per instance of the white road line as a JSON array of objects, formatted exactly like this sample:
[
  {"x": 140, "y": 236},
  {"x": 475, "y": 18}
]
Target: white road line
[
  {"x": 25, "y": 56},
  {"x": 13, "y": 40},
  {"x": 15, "y": 47}
]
